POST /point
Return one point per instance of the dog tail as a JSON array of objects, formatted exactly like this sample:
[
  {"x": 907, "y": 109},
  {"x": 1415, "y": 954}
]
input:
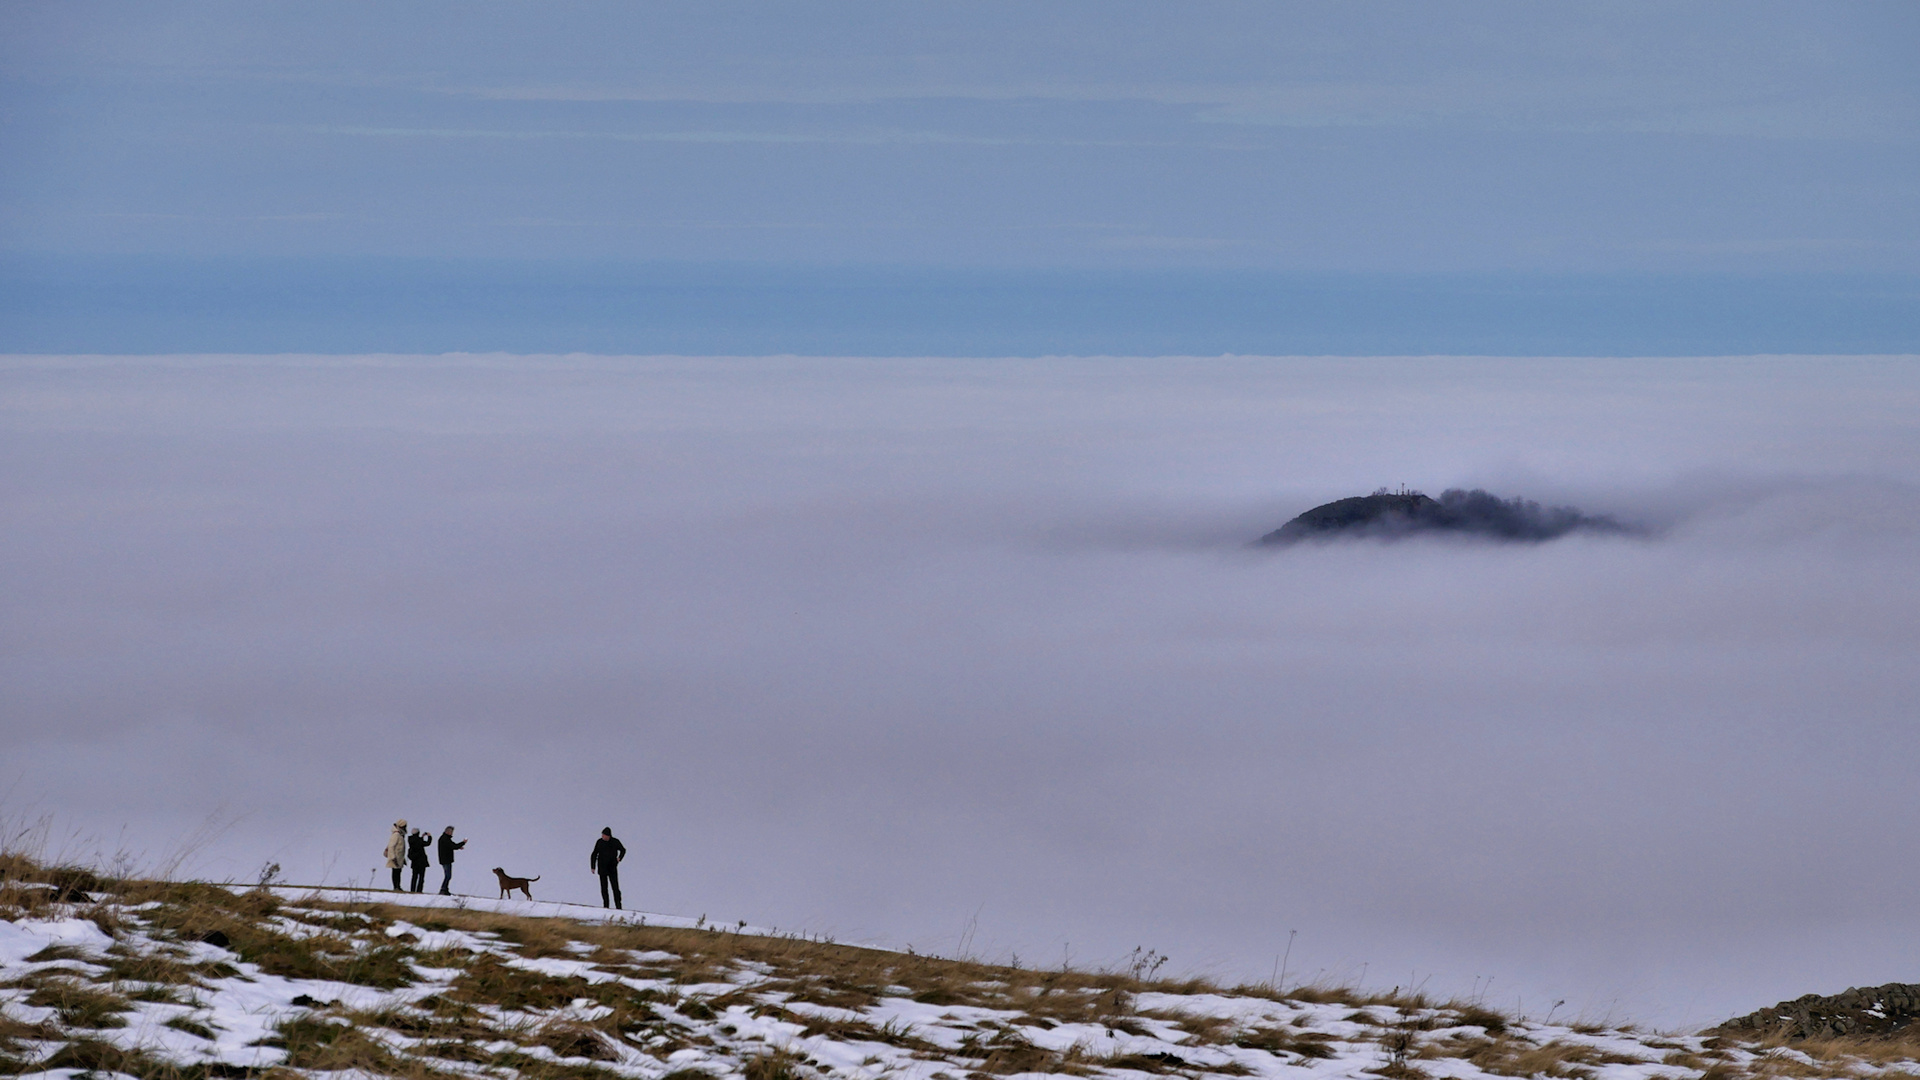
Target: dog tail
[{"x": 533, "y": 879}]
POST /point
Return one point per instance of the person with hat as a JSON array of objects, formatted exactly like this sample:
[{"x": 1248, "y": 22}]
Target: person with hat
[
  {"x": 418, "y": 846},
  {"x": 396, "y": 852}
]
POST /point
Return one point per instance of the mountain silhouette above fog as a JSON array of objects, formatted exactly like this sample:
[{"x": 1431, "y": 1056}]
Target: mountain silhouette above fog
[{"x": 1390, "y": 514}]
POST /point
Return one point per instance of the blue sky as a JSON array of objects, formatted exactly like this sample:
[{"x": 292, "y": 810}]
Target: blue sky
[{"x": 1732, "y": 138}]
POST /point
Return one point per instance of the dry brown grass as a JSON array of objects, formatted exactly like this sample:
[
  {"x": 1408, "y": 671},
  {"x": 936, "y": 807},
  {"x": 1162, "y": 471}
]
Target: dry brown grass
[
  {"x": 777, "y": 1065},
  {"x": 1147, "y": 1063},
  {"x": 323, "y": 1044},
  {"x": 1009, "y": 1052},
  {"x": 1878, "y": 1052},
  {"x": 852, "y": 977},
  {"x": 195, "y": 912},
  {"x": 70, "y": 884},
  {"x": 1278, "y": 1040},
  {"x": 92, "y": 1056},
  {"x": 850, "y": 1030},
  {"x": 1513, "y": 1057},
  {"x": 1603, "y": 1027},
  {"x": 1771, "y": 1065},
  {"x": 1343, "y": 994},
  {"x": 1209, "y": 1030},
  {"x": 570, "y": 1039},
  {"x": 1711, "y": 1063},
  {"x": 452, "y": 1027},
  {"x": 529, "y": 1067},
  {"x": 835, "y": 975},
  {"x": 13, "y": 1034},
  {"x": 77, "y": 1004},
  {"x": 489, "y": 981},
  {"x": 1472, "y": 1014},
  {"x": 125, "y": 965},
  {"x": 1505, "y": 1056},
  {"x": 190, "y": 1026}
]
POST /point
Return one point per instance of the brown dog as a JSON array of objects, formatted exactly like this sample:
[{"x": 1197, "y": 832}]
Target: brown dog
[{"x": 509, "y": 883}]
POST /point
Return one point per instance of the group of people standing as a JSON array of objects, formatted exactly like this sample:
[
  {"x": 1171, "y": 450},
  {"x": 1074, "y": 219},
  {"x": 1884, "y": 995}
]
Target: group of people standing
[
  {"x": 410, "y": 848},
  {"x": 406, "y": 848}
]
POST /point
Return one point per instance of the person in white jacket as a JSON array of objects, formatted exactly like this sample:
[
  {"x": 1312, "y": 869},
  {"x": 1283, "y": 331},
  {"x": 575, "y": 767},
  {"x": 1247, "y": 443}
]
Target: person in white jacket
[{"x": 397, "y": 851}]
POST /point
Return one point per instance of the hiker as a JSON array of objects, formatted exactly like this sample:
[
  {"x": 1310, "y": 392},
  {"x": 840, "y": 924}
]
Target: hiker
[
  {"x": 605, "y": 860},
  {"x": 397, "y": 851},
  {"x": 447, "y": 848},
  {"x": 417, "y": 846}
]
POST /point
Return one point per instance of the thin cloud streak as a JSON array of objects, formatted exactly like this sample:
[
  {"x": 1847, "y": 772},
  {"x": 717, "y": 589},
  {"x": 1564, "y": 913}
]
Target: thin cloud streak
[
  {"x": 877, "y": 138},
  {"x": 1562, "y": 105}
]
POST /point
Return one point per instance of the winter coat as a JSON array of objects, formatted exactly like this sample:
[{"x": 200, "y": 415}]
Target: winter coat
[
  {"x": 397, "y": 846},
  {"x": 448, "y": 845},
  {"x": 607, "y": 853},
  {"x": 417, "y": 845}
]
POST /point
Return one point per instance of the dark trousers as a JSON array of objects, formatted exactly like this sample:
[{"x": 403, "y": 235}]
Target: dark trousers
[
  {"x": 396, "y": 879},
  {"x": 446, "y": 879},
  {"x": 419, "y": 877},
  {"x": 610, "y": 879}
]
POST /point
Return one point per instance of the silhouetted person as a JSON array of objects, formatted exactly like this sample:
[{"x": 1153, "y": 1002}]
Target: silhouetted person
[
  {"x": 396, "y": 852},
  {"x": 447, "y": 848},
  {"x": 605, "y": 861},
  {"x": 417, "y": 846}
]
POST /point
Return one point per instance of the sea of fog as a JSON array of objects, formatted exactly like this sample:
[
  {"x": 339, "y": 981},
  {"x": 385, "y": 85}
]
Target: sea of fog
[{"x": 974, "y": 655}]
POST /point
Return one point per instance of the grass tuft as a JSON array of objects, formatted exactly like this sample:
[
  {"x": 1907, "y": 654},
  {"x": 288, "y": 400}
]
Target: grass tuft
[
  {"x": 776, "y": 1065},
  {"x": 191, "y": 1027},
  {"x": 569, "y": 1039},
  {"x": 1304, "y": 1044},
  {"x": 79, "y": 1005}
]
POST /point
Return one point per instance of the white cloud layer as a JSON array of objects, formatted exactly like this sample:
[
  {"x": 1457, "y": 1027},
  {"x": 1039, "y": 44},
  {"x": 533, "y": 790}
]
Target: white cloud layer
[{"x": 872, "y": 646}]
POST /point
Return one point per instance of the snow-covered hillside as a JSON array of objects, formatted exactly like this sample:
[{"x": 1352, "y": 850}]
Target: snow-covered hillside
[{"x": 157, "y": 980}]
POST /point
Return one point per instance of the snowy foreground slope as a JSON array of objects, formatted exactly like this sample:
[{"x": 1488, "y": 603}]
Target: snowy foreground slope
[{"x": 169, "y": 980}]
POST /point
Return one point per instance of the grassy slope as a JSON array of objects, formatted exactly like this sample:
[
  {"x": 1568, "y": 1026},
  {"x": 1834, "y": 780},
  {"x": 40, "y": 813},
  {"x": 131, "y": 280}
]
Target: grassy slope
[{"x": 165, "y": 980}]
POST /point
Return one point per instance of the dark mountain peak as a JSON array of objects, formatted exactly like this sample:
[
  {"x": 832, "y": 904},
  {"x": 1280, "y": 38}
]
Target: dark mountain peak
[{"x": 1388, "y": 514}]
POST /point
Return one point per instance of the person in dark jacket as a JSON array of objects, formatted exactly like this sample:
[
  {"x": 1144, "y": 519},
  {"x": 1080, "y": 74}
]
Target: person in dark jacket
[
  {"x": 417, "y": 846},
  {"x": 447, "y": 848},
  {"x": 605, "y": 861}
]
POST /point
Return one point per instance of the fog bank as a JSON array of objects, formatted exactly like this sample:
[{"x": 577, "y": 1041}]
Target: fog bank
[{"x": 877, "y": 647}]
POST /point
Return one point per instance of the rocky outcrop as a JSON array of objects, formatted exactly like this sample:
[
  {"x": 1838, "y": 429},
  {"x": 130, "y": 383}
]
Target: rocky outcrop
[
  {"x": 1868, "y": 1011},
  {"x": 1389, "y": 514}
]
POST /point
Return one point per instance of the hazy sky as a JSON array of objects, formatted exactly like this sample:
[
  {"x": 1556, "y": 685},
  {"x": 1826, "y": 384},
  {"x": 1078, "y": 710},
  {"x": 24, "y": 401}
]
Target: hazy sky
[
  {"x": 873, "y": 647},
  {"x": 1379, "y": 136}
]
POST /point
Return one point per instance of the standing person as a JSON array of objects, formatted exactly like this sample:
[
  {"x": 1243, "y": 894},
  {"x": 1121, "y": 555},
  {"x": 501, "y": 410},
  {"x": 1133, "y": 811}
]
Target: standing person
[
  {"x": 447, "y": 848},
  {"x": 605, "y": 861},
  {"x": 417, "y": 846},
  {"x": 397, "y": 851}
]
